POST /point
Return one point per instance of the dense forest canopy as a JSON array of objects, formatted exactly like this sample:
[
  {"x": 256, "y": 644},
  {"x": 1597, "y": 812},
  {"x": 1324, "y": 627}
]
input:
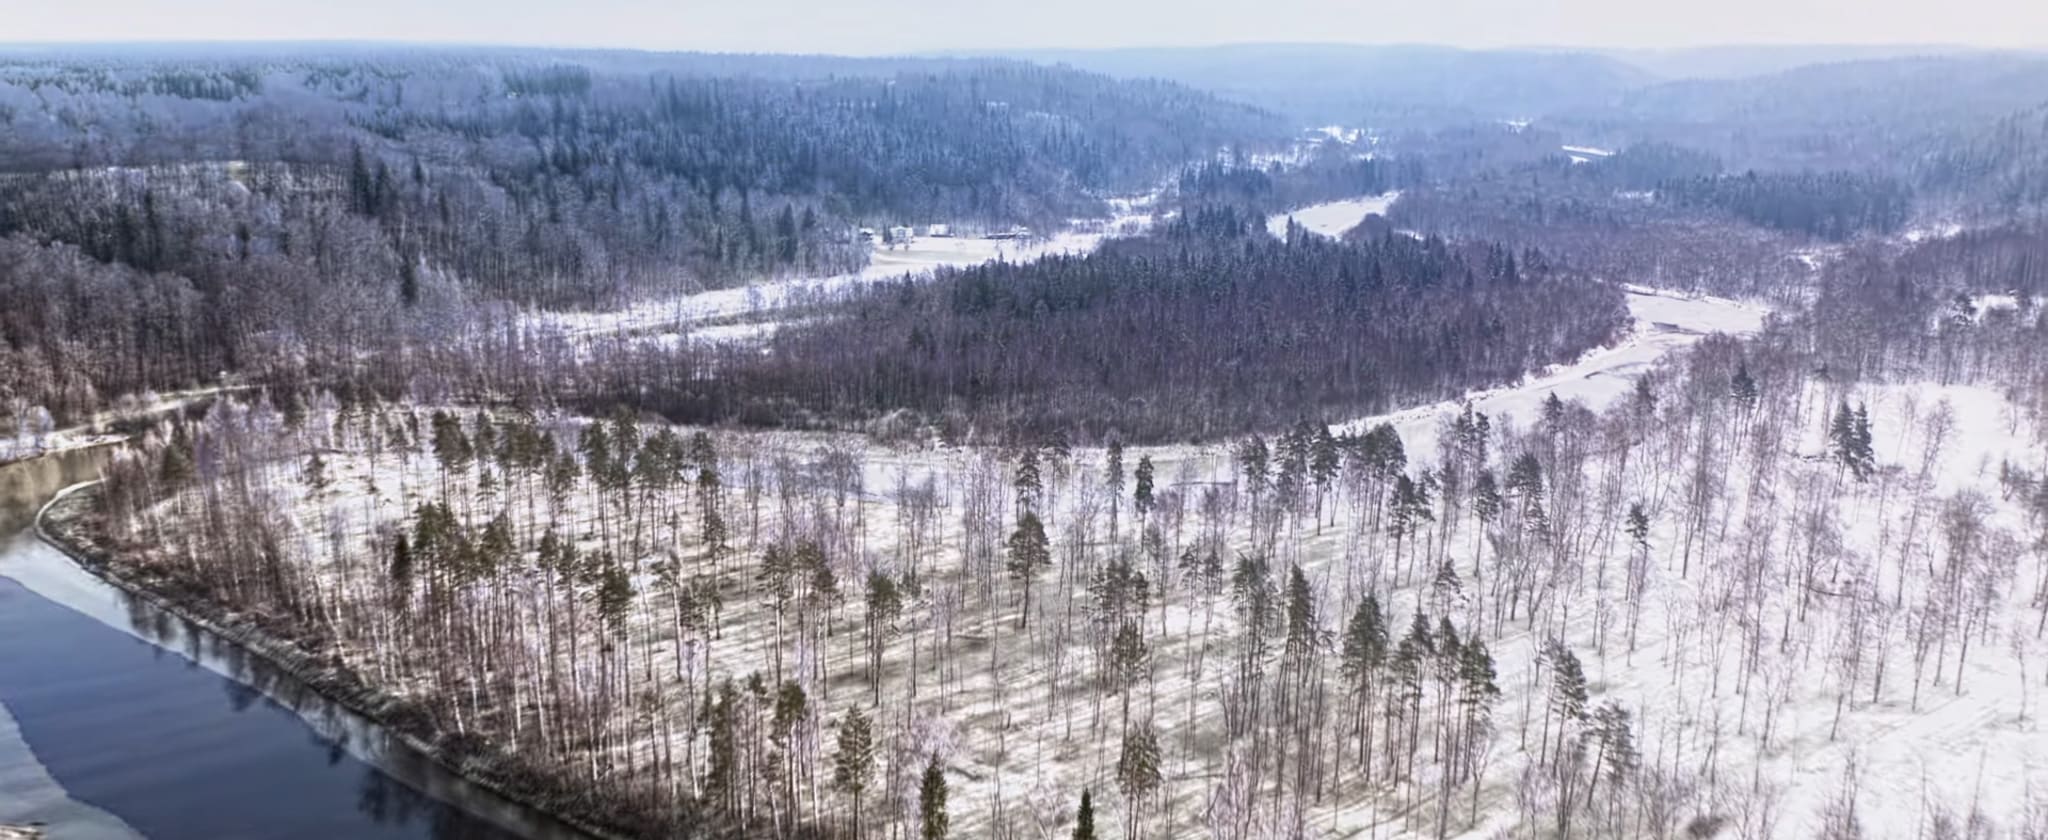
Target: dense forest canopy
[
  {"x": 576, "y": 179},
  {"x": 1211, "y": 326},
  {"x": 346, "y": 212},
  {"x": 270, "y": 210}
]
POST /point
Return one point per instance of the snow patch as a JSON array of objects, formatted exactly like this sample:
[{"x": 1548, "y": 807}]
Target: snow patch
[{"x": 1332, "y": 218}]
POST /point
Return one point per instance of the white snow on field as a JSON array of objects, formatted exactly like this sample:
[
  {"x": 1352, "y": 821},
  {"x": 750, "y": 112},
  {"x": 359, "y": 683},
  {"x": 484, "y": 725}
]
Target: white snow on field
[
  {"x": 1587, "y": 151},
  {"x": 1945, "y": 230},
  {"x": 1346, "y": 136},
  {"x": 1984, "y": 305},
  {"x": 33, "y": 435},
  {"x": 919, "y": 257},
  {"x": 1665, "y": 322},
  {"x": 1332, "y": 218}
]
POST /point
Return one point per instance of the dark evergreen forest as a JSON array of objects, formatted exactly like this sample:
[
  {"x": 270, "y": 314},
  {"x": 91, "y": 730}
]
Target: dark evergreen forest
[
  {"x": 165, "y": 219},
  {"x": 1210, "y": 327}
]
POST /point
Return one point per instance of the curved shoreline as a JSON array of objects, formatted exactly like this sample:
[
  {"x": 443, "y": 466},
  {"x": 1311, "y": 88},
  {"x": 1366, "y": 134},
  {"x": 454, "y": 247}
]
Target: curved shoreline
[{"x": 334, "y": 683}]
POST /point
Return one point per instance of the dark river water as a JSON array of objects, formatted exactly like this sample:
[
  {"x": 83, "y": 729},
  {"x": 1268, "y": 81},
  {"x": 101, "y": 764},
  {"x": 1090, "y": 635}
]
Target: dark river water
[{"x": 119, "y": 721}]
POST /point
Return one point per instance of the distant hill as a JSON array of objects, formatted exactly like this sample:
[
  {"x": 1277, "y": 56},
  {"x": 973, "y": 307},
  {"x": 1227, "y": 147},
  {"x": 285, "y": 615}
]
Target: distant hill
[
  {"x": 1374, "y": 85},
  {"x": 1740, "y": 60},
  {"x": 1821, "y": 116}
]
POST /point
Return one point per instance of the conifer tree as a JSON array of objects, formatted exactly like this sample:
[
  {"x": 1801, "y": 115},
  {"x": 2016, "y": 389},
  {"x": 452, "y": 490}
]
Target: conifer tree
[
  {"x": 1568, "y": 692},
  {"x": 1252, "y": 462},
  {"x": 1141, "y": 494},
  {"x": 1137, "y": 772},
  {"x": 1084, "y": 819},
  {"x": 1742, "y": 387},
  {"x": 1325, "y": 459},
  {"x": 853, "y": 765},
  {"x": 1365, "y": 653},
  {"x": 885, "y": 606},
  {"x": 931, "y": 801},
  {"x": 1029, "y": 555},
  {"x": 401, "y": 570},
  {"x": 1029, "y": 482}
]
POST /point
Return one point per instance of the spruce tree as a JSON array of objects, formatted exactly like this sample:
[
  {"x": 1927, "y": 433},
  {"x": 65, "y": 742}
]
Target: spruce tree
[
  {"x": 1029, "y": 482},
  {"x": 1084, "y": 819},
  {"x": 401, "y": 570},
  {"x": 853, "y": 765},
  {"x": 1743, "y": 387},
  {"x": 1568, "y": 691},
  {"x": 1141, "y": 494},
  {"x": 1638, "y": 527},
  {"x": 1137, "y": 772},
  {"x": 1029, "y": 555},
  {"x": 1365, "y": 653},
  {"x": 931, "y": 801},
  {"x": 1252, "y": 462}
]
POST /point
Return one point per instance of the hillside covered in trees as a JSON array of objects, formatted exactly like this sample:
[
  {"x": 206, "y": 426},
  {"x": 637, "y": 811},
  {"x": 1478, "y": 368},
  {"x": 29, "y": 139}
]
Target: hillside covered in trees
[
  {"x": 1210, "y": 326},
  {"x": 169, "y": 217}
]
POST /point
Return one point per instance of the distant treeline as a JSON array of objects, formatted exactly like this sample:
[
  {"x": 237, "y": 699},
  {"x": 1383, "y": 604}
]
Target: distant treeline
[
  {"x": 1830, "y": 205},
  {"x": 1331, "y": 173},
  {"x": 573, "y": 183}
]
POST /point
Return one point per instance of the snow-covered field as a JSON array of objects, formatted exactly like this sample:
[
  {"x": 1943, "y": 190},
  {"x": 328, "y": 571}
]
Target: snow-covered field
[
  {"x": 1586, "y": 154},
  {"x": 1332, "y": 218},
  {"x": 670, "y": 317},
  {"x": 1666, "y": 322}
]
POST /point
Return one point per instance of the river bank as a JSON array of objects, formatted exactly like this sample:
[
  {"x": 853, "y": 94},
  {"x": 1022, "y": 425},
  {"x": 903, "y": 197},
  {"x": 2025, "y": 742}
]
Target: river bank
[{"x": 69, "y": 524}]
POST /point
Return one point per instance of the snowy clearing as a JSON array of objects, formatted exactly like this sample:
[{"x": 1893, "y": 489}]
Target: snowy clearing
[
  {"x": 1332, "y": 218},
  {"x": 1666, "y": 322},
  {"x": 920, "y": 256}
]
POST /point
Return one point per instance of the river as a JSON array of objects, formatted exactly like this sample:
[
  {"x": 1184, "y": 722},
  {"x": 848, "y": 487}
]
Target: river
[{"x": 120, "y": 721}]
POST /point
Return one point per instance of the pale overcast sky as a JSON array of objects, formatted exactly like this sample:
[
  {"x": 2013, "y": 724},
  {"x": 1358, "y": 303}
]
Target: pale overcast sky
[{"x": 862, "y": 27}]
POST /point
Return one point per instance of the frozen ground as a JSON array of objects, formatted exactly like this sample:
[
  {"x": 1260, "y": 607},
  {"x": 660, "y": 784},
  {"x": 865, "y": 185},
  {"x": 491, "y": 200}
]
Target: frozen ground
[
  {"x": 668, "y": 318},
  {"x": 1666, "y": 322},
  {"x": 1586, "y": 154},
  {"x": 1332, "y": 218},
  {"x": 20, "y": 440}
]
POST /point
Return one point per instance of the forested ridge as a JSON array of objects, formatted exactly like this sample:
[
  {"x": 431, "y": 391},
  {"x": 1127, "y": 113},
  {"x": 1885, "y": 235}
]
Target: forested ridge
[
  {"x": 1210, "y": 326},
  {"x": 290, "y": 213}
]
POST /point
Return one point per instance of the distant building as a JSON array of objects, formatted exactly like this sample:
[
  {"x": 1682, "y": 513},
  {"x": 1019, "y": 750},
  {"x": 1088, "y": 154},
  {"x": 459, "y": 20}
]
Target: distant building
[
  {"x": 901, "y": 233},
  {"x": 940, "y": 231}
]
